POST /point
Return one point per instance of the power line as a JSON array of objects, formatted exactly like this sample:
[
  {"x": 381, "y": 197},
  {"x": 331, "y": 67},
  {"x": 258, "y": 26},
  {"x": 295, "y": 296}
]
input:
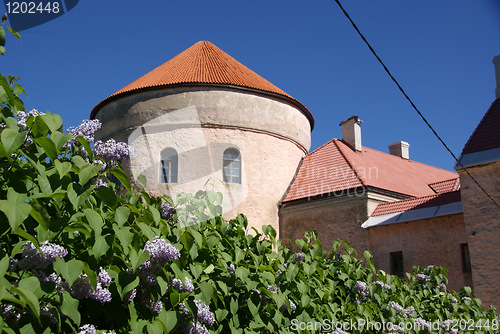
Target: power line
[{"x": 411, "y": 102}]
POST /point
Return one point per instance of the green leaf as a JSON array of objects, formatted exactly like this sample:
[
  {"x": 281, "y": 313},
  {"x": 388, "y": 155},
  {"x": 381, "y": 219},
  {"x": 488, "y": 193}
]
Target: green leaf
[
  {"x": 85, "y": 144},
  {"x": 41, "y": 215},
  {"x": 60, "y": 139},
  {"x": 207, "y": 290},
  {"x": 155, "y": 328},
  {"x": 2, "y": 36},
  {"x": 62, "y": 168},
  {"x": 121, "y": 215},
  {"x": 169, "y": 319},
  {"x": 107, "y": 195},
  {"x": 126, "y": 283},
  {"x": 101, "y": 245},
  {"x": 48, "y": 147},
  {"x": 26, "y": 236},
  {"x": 69, "y": 308},
  {"x": 53, "y": 121},
  {"x": 95, "y": 220},
  {"x": 137, "y": 259},
  {"x": 125, "y": 236},
  {"x": 15, "y": 211},
  {"x": 68, "y": 270},
  {"x": 15, "y": 33},
  {"x": 4, "y": 265},
  {"x": 12, "y": 140},
  {"x": 87, "y": 172},
  {"x": 29, "y": 298},
  {"x": 32, "y": 284},
  {"x": 121, "y": 176}
]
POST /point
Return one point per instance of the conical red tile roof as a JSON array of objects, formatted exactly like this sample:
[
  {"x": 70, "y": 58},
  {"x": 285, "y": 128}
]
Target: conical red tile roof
[{"x": 202, "y": 63}]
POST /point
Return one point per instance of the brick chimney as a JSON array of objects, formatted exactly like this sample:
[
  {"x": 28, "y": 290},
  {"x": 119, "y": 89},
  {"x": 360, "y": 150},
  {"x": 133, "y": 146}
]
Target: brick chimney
[
  {"x": 351, "y": 132},
  {"x": 496, "y": 62},
  {"x": 400, "y": 149}
]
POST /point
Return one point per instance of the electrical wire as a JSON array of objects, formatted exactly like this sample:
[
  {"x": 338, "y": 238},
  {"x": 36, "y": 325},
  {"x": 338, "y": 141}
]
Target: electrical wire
[{"x": 413, "y": 104}]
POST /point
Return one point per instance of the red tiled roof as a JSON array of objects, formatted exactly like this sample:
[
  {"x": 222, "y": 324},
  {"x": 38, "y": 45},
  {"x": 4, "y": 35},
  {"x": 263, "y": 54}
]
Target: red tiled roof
[
  {"x": 487, "y": 133},
  {"x": 335, "y": 166},
  {"x": 417, "y": 203},
  {"x": 445, "y": 186},
  {"x": 202, "y": 63}
]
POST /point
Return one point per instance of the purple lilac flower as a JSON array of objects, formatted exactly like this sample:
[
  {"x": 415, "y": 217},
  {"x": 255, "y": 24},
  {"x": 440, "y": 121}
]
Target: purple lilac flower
[
  {"x": 103, "y": 278},
  {"x": 10, "y": 313},
  {"x": 466, "y": 298},
  {"x": 299, "y": 257},
  {"x": 398, "y": 308},
  {"x": 155, "y": 305},
  {"x": 423, "y": 277},
  {"x": 442, "y": 287},
  {"x": 32, "y": 258},
  {"x": 197, "y": 328},
  {"x": 382, "y": 285},
  {"x": 360, "y": 286},
  {"x": 86, "y": 129},
  {"x": 129, "y": 296},
  {"x": 454, "y": 301},
  {"x": 160, "y": 251},
  {"x": 231, "y": 269},
  {"x": 272, "y": 288},
  {"x": 167, "y": 211},
  {"x": 278, "y": 272},
  {"x": 22, "y": 117},
  {"x": 183, "y": 308},
  {"x": 395, "y": 329},
  {"x": 293, "y": 307},
  {"x": 112, "y": 150},
  {"x": 82, "y": 288},
  {"x": 339, "y": 331},
  {"x": 428, "y": 269},
  {"x": 87, "y": 329},
  {"x": 203, "y": 313},
  {"x": 188, "y": 287},
  {"x": 421, "y": 323},
  {"x": 446, "y": 325}
]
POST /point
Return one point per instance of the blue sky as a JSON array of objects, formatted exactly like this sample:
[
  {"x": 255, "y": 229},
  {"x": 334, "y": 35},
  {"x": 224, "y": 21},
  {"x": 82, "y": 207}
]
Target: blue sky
[{"x": 439, "y": 50}]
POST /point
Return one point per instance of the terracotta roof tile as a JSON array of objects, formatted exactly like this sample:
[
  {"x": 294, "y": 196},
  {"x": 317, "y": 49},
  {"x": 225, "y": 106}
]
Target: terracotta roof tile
[
  {"x": 445, "y": 186},
  {"x": 202, "y": 63},
  {"x": 335, "y": 166},
  {"x": 487, "y": 133},
  {"x": 417, "y": 203}
]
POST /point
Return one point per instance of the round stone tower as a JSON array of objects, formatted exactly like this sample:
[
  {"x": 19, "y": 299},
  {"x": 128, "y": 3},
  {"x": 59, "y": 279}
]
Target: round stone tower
[{"x": 203, "y": 120}]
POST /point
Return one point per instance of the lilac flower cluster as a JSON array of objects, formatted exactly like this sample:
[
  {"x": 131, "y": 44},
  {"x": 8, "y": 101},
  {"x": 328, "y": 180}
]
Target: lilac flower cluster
[
  {"x": 339, "y": 331},
  {"x": 203, "y": 313},
  {"x": 398, "y": 308},
  {"x": 466, "y": 298},
  {"x": 188, "y": 287},
  {"x": 382, "y": 285},
  {"x": 129, "y": 296},
  {"x": 32, "y": 258},
  {"x": 87, "y": 329},
  {"x": 22, "y": 117},
  {"x": 446, "y": 326},
  {"x": 197, "y": 328},
  {"x": 278, "y": 272},
  {"x": 421, "y": 323},
  {"x": 361, "y": 288},
  {"x": 167, "y": 211},
  {"x": 442, "y": 287},
  {"x": 423, "y": 277},
  {"x": 82, "y": 288},
  {"x": 160, "y": 252},
  {"x": 10, "y": 313},
  {"x": 111, "y": 150},
  {"x": 395, "y": 329},
  {"x": 87, "y": 129},
  {"x": 293, "y": 307},
  {"x": 231, "y": 269},
  {"x": 299, "y": 257}
]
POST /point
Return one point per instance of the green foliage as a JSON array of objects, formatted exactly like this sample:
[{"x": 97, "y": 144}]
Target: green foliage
[{"x": 250, "y": 282}]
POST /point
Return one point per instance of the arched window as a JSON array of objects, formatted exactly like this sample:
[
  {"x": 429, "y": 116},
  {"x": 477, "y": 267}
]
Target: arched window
[
  {"x": 169, "y": 165},
  {"x": 231, "y": 166}
]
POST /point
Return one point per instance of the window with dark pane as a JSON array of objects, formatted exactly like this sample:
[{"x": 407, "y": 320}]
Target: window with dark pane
[
  {"x": 231, "y": 166},
  {"x": 397, "y": 264},
  {"x": 169, "y": 166},
  {"x": 466, "y": 266}
]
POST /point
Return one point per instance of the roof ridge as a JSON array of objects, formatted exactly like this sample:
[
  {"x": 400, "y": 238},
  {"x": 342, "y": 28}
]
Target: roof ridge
[
  {"x": 349, "y": 162},
  {"x": 321, "y": 147}
]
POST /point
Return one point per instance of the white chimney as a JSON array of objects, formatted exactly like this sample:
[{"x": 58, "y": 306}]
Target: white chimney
[
  {"x": 351, "y": 132},
  {"x": 496, "y": 62},
  {"x": 400, "y": 149}
]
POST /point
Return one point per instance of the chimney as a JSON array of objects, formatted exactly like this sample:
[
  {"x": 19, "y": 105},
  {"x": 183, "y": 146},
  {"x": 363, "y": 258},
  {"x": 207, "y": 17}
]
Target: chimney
[
  {"x": 400, "y": 149},
  {"x": 496, "y": 62},
  {"x": 351, "y": 132}
]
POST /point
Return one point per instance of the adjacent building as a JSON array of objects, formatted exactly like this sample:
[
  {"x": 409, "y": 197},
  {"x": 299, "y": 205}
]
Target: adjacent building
[{"x": 203, "y": 120}]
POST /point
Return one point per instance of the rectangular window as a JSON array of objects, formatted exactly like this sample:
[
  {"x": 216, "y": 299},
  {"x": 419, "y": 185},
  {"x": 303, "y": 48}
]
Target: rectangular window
[
  {"x": 466, "y": 266},
  {"x": 397, "y": 264}
]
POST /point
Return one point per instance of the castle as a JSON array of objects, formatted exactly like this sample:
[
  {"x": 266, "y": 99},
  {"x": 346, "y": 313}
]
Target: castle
[{"x": 204, "y": 118}]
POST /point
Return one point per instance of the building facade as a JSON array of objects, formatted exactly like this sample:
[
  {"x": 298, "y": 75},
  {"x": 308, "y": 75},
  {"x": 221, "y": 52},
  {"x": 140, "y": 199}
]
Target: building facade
[{"x": 203, "y": 120}]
